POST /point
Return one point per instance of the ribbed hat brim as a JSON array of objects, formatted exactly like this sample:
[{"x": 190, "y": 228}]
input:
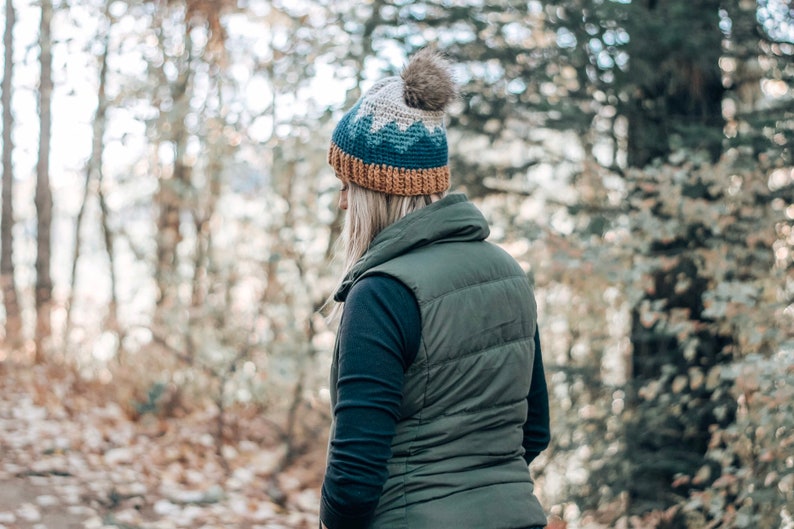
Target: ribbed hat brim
[{"x": 387, "y": 179}]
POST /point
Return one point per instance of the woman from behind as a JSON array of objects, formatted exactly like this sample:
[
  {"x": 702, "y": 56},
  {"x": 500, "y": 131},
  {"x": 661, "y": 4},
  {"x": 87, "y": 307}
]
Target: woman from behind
[{"x": 437, "y": 383}]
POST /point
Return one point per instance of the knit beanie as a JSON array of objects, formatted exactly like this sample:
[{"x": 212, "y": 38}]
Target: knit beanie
[{"x": 393, "y": 140}]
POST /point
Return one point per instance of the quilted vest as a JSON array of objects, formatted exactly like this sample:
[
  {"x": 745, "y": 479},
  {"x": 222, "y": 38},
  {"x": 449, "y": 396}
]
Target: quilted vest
[{"x": 457, "y": 455}]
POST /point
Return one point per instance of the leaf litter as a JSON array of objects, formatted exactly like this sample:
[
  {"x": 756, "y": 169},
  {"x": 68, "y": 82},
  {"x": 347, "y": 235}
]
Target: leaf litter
[{"x": 69, "y": 460}]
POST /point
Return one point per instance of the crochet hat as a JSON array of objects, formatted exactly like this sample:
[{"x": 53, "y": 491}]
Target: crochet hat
[{"x": 393, "y": 140}]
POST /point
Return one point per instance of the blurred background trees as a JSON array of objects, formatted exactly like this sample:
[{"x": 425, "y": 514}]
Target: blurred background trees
[{"x": 634, "y": 156}]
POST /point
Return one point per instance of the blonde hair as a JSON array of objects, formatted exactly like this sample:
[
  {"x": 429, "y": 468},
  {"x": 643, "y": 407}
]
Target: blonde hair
[{"x": 368, "y": 213}]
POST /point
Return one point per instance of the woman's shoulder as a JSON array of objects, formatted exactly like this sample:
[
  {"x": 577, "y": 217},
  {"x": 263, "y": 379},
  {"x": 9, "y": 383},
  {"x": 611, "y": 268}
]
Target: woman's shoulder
[{"x": 382, "y": 287}]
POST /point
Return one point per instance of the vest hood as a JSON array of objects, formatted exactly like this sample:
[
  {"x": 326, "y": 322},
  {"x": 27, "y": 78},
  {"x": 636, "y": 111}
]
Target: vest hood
[{"x": 451, "y": 219}]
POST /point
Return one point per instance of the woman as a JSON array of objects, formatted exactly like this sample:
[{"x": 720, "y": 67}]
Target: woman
[{"x": 437, "y": 382}]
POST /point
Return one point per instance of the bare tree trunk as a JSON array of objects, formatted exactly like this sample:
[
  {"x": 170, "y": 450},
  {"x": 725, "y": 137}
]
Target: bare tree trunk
[
  {"x": 94, "y": 173},
  {"x": 76, "y": 252},
  {"x": 170, "y": 197},
  {"x": 112, "y": 321},
  {"x": 43, "y": 191},
  {"x": 13, "y": 324},
  {"x": 201, "y": 219}
]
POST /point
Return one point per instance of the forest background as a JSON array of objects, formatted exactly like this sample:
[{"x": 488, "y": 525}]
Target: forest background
[{"x": 169, "y": 222}]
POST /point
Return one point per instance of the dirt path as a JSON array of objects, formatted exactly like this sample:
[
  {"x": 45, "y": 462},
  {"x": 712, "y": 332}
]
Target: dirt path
[
  {"x": 27, "y": 505},
  {"x": 33, "y": 496}
]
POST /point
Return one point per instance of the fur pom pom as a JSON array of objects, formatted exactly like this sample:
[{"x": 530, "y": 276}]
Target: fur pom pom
[{"x": 427, "y": 80}]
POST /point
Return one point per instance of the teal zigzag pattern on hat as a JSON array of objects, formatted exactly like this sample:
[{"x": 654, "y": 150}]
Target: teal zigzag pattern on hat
[{"x": 413, "y": 148}]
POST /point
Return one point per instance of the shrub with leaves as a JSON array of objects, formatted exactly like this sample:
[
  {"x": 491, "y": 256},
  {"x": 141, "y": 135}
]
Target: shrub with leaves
[{"x": 755, "y": 453}]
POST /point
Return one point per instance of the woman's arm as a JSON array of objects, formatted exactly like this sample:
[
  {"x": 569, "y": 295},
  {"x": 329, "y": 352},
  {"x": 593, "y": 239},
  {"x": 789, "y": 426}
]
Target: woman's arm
[
  {"x": 378, "y": 340},
  {"x": 536, "y": 428}
]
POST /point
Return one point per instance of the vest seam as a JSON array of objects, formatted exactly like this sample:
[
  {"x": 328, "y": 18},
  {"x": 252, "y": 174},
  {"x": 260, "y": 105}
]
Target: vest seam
[
  {"x": 441, "y": 363},
  {"x": 487, "y": 408},
  {"x": 470, "y": 489},
  {"x": 472, "y": 285},
  {"x": 422, "y": 420}
]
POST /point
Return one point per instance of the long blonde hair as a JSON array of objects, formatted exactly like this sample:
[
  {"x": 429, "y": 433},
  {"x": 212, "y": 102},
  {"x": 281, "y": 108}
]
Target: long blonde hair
[{"x": 368, "y": 213}]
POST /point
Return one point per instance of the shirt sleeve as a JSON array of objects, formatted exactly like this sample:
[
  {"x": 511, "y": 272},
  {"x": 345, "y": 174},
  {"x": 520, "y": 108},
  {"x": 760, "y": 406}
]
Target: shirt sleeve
[
  {"x": 536, "y": 428},
  {"x": 379, "y": 339}
]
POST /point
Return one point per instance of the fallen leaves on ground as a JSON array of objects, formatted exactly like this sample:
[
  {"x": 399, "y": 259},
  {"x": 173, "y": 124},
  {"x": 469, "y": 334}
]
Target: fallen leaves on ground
[{"x": 72, "y": 460}]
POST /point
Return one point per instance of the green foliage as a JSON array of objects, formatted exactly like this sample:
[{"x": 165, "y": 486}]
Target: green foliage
[
  {"x": 755, "y": 487},
  {"x": 692, "y": 265},
  {"x": 153, "y": 402},
  {"x": 708, "y": 278}
]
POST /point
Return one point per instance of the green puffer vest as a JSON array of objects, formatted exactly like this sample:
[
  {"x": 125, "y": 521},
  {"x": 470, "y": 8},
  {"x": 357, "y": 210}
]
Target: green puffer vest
[{"x": 457, "y": 455}]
